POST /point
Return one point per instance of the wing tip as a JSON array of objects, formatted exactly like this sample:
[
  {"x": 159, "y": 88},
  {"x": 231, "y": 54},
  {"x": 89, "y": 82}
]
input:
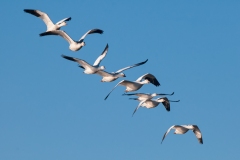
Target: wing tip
[
  {"x": 107, "y": 96},
  {"x": 28, "y": 10},
  {"x": 43, "y": 34}
]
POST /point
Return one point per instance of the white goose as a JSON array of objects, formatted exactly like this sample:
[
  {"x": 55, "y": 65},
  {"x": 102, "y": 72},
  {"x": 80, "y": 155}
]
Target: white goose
[
  {"x": 136, "y": 85},
  {"x": 152, "y": 103},
  {"x": 182, "y": 129},
  {"x": 90, "y": 69},
  {"x": 47, "y": 20},
  {"x": 73, "y": 45},
  {"x": 109, "y": 77},
  {"x": 146, "y": 96}
]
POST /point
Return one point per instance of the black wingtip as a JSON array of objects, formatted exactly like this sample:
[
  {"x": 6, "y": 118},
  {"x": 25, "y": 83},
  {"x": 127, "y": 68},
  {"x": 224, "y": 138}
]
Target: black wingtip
[
  {"x": 133, "y": 98},
  {"x": 106, "y": 97},
  {"x": 43, "y": 34},
  {"x": 96, "y": 31},
  {"x": 143, "y": 62},
  {"x": 69, "y": 58},
  {"x": 133, "y": 113},
  {"x": 174, "y": 101},
  {"x": 32, "y": 11},
  {"x": 157, "y": 84}
]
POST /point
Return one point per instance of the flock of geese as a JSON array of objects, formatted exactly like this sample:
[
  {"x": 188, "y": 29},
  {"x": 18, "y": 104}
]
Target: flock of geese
[{"x": 145, "y": 99}]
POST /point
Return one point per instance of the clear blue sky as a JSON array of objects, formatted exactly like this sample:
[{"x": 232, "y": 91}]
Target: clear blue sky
[{"x": 49, "y": 109}]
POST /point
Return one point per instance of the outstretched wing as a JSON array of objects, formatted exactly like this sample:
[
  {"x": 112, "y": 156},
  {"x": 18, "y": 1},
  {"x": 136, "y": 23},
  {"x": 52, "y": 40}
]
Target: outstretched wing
[
  {"x": 135, "y": 65},
  {"x": 63, "y": 20},
  {"x": 82, "y": 63},
  {"x": 104, "y": 73},
  {"x": 166, "y": 103},
  {"x": 90, "y": 32},
  {"x": 123, "y": 82},
  {"x": 100, "y": 58},
  {"x": 41, "y": 15},
  {"x": 136, "y": 94},
  {"x": 113, "y": 89},
  {"x": 139, "y": 105},
  {"x": 198, "y": 133},
  {"x": 167, "y": 132},
  {"x": 151, "y": 78},
  {"x": 163, "y": 94},
  {"x": 59, "y": 33}
]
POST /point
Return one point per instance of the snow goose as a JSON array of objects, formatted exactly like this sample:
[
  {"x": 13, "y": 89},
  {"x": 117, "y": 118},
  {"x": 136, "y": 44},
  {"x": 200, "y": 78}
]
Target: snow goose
[
  {"x": 182, "y": 129},
  {"x": 152, "y": 103},
  {"x": 136, "y": 85},
  {"x": 146, "y": 96},
  {"x": 109, "y": 77},
  {"x": 90, "y": 69},
  {"x": 47, "y": 20},
  {"x": 73, "y": 45}
]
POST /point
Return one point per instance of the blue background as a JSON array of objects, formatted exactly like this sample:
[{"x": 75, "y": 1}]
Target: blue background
[{"x": 49, "y": 109}]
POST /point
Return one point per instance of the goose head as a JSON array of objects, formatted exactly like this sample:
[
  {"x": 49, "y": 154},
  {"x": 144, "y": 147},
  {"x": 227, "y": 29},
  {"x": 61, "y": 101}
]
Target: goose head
[
  {"x": 101, "y": 67},
  {"x": 121, "y": 75},
  {"x": 154, "y": 94}
]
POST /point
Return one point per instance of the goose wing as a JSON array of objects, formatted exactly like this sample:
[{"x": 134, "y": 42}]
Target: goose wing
[
  {"x": 82, "y": 63},
  {"x": 152, "y": 79},
  {"x": 104, "y": 73},
  {"x": 135, "y": 65},
  {"x": 139, "y": 105},
  {"x": 59, "y": 33},
  {"x": 166, "y": 133},
  {"x": 198, "y": 133},
  {"x": 123, "y": 82},
  {"x": 165, "y": 103},
  {"x": 90, "y": 32},
  {"x": 163, "y": 94},
  {"x": 146, "y": 95},
  {"x": 100, "y": 58},
  {"x": 41, "y": 15},
  {"x": 141, "y": 96},
  {"x": 137, "y": 94},
  {"x": 63, "y": 20}
]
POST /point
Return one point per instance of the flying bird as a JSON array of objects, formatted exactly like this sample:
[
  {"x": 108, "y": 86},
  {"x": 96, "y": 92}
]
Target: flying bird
[
  {"x": 182, "y": 129},
  {"x": 90, "y": 69},
  {"x": 73, "y": 45},
  {"x": 152, "y": 103},
  {"x": 109, "y": 77},
  {"x": 47, "y": 20},
  {"x": 136, "y": 85},
  {"x": 146, "y": 96}
]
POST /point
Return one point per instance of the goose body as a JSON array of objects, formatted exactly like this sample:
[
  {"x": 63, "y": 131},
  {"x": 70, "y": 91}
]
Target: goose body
[
  {"x": 182, "y": 129},
  {"x": 73, "y": 45}
]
